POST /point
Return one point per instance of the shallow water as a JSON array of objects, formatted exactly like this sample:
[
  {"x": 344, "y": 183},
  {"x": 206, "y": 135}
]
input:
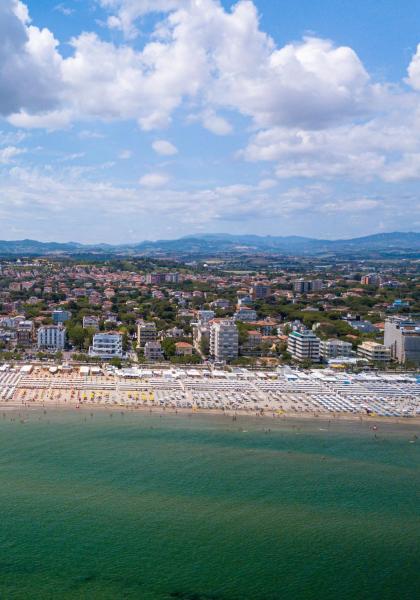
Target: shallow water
[{"x": 205, "y": 508}]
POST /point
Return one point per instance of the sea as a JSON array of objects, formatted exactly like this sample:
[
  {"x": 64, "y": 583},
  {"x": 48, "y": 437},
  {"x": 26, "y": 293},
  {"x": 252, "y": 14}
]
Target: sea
[{"x": 123, "y": 505}]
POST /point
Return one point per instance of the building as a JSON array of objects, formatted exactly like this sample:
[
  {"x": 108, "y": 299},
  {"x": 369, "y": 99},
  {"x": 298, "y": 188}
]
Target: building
[
  {"x": 153, "y": 351},
  {"x": 146, "y": 332},
  {"x": 300, "y": 286},
  {"x": 362, "y": 326},
  {"x": 260, "y": 291},
  {"x": 224, "y": 340},
  {"x": 90, "y": 321},
  {"x": 51, "y": 337},
  {"x": 205, "y": 316},
  {"x": 304, "y": 345},
  {"x": 220, "y": 303},
  {"x": 335, "y": 348},
  {"x": 245, "y": 315},
  {"x": 374, "y": 352},
  {"x": 155, "y": 278},
  {"x": 183, "y": 349},
  {"x": 60, "y": 316},
  {"x": 252, "y": 345},
  {"x": 172, "y": 277},
  {"x": 106, "y": 345},
  {"x": 399, "y": 304},
  {"x": 371, "y": 279},
  {"x": 25, "y": 333},
  {"x": 402, "y": 337}
]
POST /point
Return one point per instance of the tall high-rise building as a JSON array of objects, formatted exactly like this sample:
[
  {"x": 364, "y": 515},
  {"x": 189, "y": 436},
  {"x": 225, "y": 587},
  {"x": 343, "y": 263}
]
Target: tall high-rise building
[
  {"x": 402, "y": 337},
  {"x": 303, "y": 345},
  {"x": 302, "y": 286},
  {"x": 371, "y": 279},
  {"x": 224, "y": 340},
  {"x": 259, "y": 291}
]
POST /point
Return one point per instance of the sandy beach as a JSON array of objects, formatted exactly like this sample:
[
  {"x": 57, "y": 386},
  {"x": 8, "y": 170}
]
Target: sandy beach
[{"x": 271, "y": 398}]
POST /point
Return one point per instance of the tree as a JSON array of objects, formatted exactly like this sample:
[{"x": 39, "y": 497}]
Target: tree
[
  {"x": 169, "y": 347},
  {"x": 77, "y": 335}
]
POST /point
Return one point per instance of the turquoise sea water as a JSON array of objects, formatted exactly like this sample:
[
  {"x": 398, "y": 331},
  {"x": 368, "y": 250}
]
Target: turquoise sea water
[{"x": 205, "y": 508}]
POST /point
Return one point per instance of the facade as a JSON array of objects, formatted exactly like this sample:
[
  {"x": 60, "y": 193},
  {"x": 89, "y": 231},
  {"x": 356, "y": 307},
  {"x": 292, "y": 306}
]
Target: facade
[
  {"x": 335, "y": 348},
  {"x": 374, "y": 352},
  {"x": 402, "y": 337},
  {"x": 301, "y": 286},
  {"x": 371, "y": 279},
  {"x": 183, "y": 349},
  {"x": 91, "y": 322},
  {"x": 153, "y": 351},
  {"x": 106, "y": 345},
  {"x": 205, "y": 316},
  {"x": 60, "y": 316},
  {"x": 25, "y": 333},
  {"x": 224, "y": 340},
  {"x": 252, "y": 345},
  {"x": 172, "y": 277},
  {"x": 155, "y": 278},
  {"x": 245, "y": 314},
  {"x": 303, "y": 345},
  {"x": 146, "y": 332},
  {"x": 259, "y": 291},
  {"x": 51, "y": 337}
]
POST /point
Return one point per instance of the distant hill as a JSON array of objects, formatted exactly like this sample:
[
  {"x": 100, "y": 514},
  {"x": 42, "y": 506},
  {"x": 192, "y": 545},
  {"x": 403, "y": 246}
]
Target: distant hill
[{"x": 393, "y": 243}]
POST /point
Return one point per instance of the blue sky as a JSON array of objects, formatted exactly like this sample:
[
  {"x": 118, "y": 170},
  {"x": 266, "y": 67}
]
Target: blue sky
[{"x": 124, "y": 120}]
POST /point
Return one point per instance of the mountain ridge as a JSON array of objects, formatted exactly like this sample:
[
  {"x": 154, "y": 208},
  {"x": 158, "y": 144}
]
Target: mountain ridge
[{"x": 220, "y": 243}]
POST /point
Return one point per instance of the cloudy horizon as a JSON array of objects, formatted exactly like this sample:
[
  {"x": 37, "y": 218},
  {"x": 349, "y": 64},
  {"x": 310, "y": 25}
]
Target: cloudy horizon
[{"x": 127, "y": 120}]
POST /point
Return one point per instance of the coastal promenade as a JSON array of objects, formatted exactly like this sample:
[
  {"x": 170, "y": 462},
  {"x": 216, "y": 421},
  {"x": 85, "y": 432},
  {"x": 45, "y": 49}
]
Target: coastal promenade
[{"x": 283, "y": 391}]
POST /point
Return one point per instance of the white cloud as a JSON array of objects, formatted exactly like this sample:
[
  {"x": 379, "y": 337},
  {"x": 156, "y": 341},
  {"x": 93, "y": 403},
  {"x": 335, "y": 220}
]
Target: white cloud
[
  {"x": 154, "y": 180},
  {"x": 164, "y": 148},
  {"x": 125, "y": 154},
  {"x": 199, "y": 52},
  {"x": 413, "y": 78},
  {"x": 215, "y": 123},
  {"x": 9, "y": 153},
  {"x": 87, "y": 134},
  {"x": 51, "y": 120},
  {"x": 64, "y": 10},
  {"x": 29, "y": 63}
]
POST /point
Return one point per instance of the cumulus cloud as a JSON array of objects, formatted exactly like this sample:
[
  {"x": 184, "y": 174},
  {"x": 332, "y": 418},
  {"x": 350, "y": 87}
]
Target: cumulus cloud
[
  {"x": 200, "y": 51},
  {"x": 154, "y": 180},
  {"x": 29, "y": 63},
  {"x": 385, "y": 148},
  {"x": 164, "y": 148}
]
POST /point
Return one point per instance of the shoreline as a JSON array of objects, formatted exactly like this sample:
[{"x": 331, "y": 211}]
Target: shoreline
[{"x": 232, "y": 414}]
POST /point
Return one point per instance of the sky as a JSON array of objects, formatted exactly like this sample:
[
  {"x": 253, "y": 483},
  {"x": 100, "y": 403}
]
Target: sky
[{"x": 131, "y": 120}]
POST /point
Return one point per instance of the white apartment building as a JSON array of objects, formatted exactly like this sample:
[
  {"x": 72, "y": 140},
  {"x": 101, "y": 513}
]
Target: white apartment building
[
  {"x": 402, "y": 337},
  {"x": 224, "y": 340},
  {"x": 303, "y": 345},
  {"x": 51, "y": 337},
  {"x": 335, "y": 348},
  {"x": 374, "y": 352},
  {"x": 106, "y": 345}
]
